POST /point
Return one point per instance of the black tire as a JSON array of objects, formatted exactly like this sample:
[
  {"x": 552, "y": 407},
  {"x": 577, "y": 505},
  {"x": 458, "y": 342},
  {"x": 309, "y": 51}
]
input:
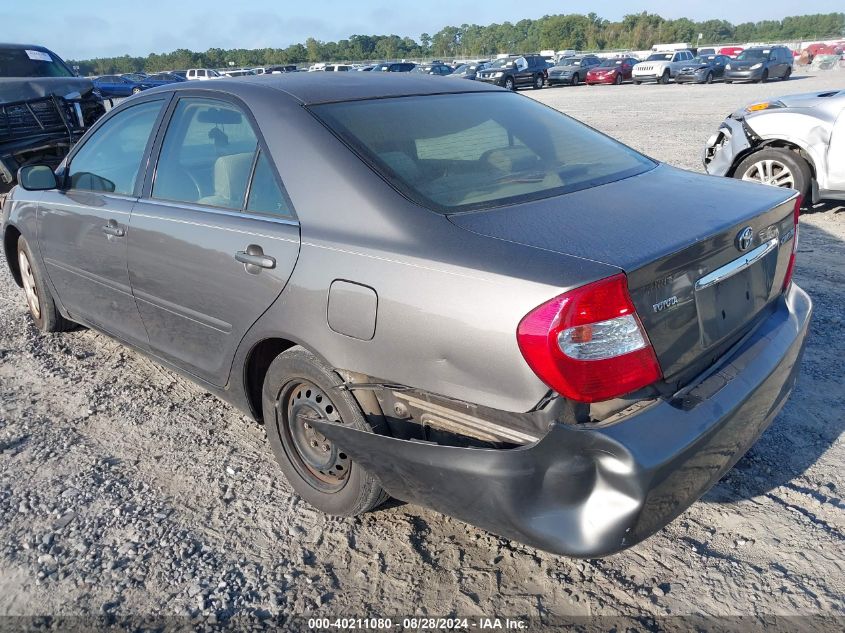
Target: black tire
[
  {"x": 538, "y": 81},
  {"x": 799, "y": 168},
  {"x": 728, "y": 81},
  {"x": 618, "y": 80},
  {"x": 135, "y": 91},
  {"x": 575, "y": 80},
  {"x": 664, "y": 78},
  {"x": 765, "y": 76},
  {"x": 787, "y": 74},
  {"x": 42, "y": 307},
  {"x": 289, "y": 374},
  {"x": 709, "y": 78},
  {"x": 509, "y": 83},
  {"x": 637, "y": 83}
]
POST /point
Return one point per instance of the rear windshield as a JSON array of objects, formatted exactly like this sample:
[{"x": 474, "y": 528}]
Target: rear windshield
[
  {"x": 19, "y": 62},
  {"x": 469, "y": 151}
]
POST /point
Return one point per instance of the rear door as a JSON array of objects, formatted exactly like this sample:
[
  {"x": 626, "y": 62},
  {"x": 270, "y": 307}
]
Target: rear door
[
  {"x": 214, "y": 238},
  {"x": 82, "y": 230}
]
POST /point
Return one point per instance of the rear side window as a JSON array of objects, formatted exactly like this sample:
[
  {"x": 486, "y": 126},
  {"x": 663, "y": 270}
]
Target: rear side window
[
  {"x": 110, "y": 161},
  {"x": 207, "y": 154},
  {"x": 469, "y": 151},
  {"x": 265, "y": 195}
]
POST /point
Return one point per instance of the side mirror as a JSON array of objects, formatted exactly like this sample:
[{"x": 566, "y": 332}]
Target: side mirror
[{"x": 37, "y": 178}]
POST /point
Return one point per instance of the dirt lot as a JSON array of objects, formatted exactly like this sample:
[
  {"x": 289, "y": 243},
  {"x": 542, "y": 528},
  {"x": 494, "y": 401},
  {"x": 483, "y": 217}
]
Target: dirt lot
[{"x": 126, "y": 490}]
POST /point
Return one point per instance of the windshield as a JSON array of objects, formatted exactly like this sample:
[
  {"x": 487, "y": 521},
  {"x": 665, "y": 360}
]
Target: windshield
[
  {"x": 501, "y": 63},
  {"x": 570, "y": 61},
  {"x": 463, "y": 69},
  {"x": 610, "y": 63},
  {"x": 660, "y": 57},
  {"x": 19, "y": 62},
  {"x": 703, "y": 60},
  {"x": 461, "y": 152},
  {"x": 422, "y": 69},
  {"x": 752, "y": 55}
]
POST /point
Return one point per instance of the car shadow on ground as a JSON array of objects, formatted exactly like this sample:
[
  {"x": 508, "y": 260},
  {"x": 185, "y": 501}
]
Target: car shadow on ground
[{"x": 814, "y": 417}]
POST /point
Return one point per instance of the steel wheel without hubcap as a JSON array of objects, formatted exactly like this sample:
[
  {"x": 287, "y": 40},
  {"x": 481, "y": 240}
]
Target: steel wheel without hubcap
[
  {"x": 29, "y": 287},
  {"x": 317, "y": 460},
  {"x": 770, "y": 172}
]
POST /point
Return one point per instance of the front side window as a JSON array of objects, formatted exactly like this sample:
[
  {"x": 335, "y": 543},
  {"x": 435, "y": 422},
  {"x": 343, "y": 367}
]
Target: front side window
[
  {"x": 462, "y": 152},
  {"x": 110, "y": 161},
  {"x": 207, "y": 154}
]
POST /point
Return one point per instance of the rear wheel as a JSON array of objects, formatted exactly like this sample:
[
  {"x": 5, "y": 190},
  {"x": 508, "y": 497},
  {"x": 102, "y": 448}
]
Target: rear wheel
[
  {"x": 787, "y": 74},
  {"x": 39, "y": 300},
  {"x": 538, "y": 82},
  {"x": 299, "y": 388},
  {"x": 777, "y": 167},
  {"x": 509, "y": 84},
  {"x": 575, "y": 79}
]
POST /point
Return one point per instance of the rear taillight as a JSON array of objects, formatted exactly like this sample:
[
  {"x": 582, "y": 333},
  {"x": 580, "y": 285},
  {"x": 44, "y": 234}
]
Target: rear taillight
[
  {"x": 588, "y": 344},
  {"x": 791, "y": 267}
]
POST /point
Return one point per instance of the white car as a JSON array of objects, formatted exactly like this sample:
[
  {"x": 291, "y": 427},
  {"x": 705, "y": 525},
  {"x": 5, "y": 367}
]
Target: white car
[
  {"x": 661, "y": 67},
  {"x": 202, "y": 74}
]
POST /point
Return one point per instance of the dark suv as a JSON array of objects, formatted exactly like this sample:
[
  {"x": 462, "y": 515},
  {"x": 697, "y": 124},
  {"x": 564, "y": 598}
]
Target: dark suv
[
  {"x": 394, "y": 67},
  {"x": 759, "y": 64},
  {"x": 516, "y": 72}
]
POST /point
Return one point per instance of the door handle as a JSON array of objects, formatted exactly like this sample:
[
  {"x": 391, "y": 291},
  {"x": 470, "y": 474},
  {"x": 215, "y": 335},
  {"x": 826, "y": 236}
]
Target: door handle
[
  {"x": 254, "y": 259},
  {"x": 113, "y": 229}
]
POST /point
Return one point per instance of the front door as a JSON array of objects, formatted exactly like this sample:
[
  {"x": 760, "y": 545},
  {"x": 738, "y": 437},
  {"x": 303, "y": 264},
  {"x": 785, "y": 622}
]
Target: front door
[
  {"x": 214, "y": 239},
  {"x": 836, "y": 156},
  {"x": 82, "y": 230}
]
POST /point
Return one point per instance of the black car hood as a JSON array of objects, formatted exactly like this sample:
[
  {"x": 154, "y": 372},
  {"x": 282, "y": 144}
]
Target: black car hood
[{"x": 14, "y": 89}]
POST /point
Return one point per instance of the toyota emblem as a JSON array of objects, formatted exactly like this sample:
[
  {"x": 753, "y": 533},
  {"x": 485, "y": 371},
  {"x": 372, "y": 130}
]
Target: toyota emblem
[{"x": 744, "y": 238}]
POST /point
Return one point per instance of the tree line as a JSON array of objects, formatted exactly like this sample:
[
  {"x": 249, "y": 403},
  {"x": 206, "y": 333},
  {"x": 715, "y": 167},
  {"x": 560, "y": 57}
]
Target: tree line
[{"x": 572, "y": 31}]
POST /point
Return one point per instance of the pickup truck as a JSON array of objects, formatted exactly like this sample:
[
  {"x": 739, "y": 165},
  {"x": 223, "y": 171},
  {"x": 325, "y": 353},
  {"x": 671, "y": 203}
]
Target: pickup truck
[
  {"x": 661, "y": 67},
  {"x": 44, "y": 109}
]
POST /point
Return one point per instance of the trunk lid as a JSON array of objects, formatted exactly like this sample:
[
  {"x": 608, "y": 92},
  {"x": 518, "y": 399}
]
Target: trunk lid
[{"x": 668, "y": 230}]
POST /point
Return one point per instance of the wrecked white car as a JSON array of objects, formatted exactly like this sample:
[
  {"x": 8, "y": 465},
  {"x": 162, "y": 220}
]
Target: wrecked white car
[
  {"x": 44, "y": 108},
  {"x": 797, "y": 141}
]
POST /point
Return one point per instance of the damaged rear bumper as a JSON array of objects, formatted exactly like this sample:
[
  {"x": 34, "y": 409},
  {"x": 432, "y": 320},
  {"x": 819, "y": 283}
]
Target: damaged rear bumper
[{"x": 593, "y": 491}]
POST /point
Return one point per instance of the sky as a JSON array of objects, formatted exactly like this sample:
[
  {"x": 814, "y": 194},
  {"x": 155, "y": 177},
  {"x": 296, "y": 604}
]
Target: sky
[{"x": 101, "y": 28}]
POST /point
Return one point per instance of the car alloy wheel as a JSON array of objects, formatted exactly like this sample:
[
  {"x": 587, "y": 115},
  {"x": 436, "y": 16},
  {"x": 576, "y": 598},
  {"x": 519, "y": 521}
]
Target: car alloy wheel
[
  {"x": 770, "y": 172},
  {"x": 764, "y": 77},
  {"x": 135, "y": 91},
  {"x": 538, "y": 82},
  {"x": 664, "y": 78},
  {"x": 709, "y": 78},
  {"x": 29, "y": 286},
  {"x": 509, "y": 85},
  {"x": 575, "y": 79},
  {"x": 618, "y": 80},
  {"x": 316, "y": 458}
]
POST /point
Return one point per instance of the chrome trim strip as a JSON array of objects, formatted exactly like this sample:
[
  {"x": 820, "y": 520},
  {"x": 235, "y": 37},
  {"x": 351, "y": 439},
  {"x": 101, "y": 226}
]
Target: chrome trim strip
[
  {"x": 736, "y": 266},
  {"x": 244, "y": 215}
]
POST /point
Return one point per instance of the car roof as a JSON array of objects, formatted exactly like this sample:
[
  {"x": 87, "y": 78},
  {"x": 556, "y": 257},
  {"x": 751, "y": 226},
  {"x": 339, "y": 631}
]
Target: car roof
[
  {"x": 315, "y": 88},
  {"x": 37, "y": 47}
]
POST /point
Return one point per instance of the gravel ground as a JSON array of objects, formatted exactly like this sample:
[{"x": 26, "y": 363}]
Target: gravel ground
[{"x": 125, "y": 490}]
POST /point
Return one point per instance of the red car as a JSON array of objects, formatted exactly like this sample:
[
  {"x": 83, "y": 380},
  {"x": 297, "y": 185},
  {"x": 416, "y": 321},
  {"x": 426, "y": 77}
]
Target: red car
[
  {"x": 731, "y": 51},
  {"x": 611, "y": 71}
]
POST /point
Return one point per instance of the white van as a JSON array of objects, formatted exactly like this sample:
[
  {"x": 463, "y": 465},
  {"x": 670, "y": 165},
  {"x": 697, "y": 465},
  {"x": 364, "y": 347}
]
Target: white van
[{"x": 201, "y": 74}]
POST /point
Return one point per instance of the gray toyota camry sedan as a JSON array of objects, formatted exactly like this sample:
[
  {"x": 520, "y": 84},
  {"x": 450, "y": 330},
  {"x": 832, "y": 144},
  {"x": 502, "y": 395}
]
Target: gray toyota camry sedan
[{"x": 449, "y": 294}]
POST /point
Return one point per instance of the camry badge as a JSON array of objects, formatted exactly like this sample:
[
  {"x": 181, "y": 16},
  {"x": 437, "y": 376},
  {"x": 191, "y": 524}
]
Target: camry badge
[{"x": 744, "y": 238}]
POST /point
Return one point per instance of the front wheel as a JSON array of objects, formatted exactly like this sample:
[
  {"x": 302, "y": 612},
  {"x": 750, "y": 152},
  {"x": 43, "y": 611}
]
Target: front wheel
[
  {"x": 764, "y": 77},
  {"x": 728, "y": 81},
  {"x": 575, "y": 79},
  {"x": 618, "y": 80},
  {"x": 39, "y": 299},
  {"x": 509, "y": 84},
  {"x": 300, "y": 388},
  {"x": 538, "y": 82},
  {"x": 637, "y": 83},
  {"x": 709, "y": 78},
  {"x": 777, "y": 167},
  {"x": 135, "y": 91},
  {"x": 664, "y": 78}
]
